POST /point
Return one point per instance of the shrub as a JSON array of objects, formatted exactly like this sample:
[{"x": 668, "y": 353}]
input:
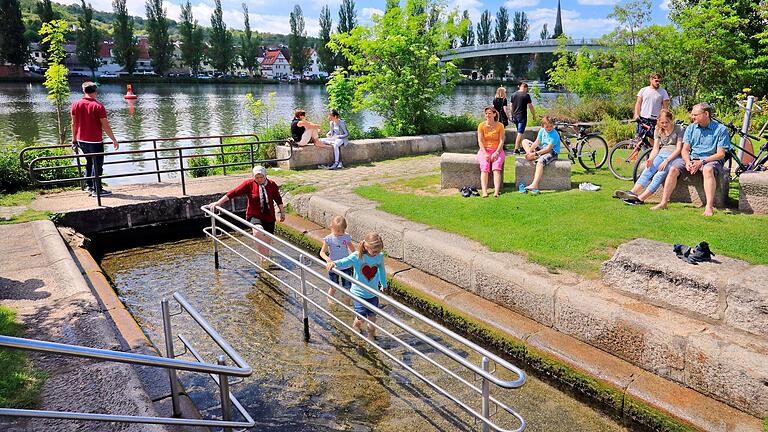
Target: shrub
[
  {"x": 198, "y": 166},
  {"x": 15, "y": 177},
  {"x": 614, "y": 130},
  {"x": 441, "y": 123},
  {"x": 590, "y": 110}
]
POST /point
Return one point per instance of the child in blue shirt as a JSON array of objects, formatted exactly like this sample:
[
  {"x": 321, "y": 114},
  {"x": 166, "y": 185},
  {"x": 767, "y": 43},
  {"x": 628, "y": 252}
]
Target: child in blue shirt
[
  {"x": 544, "y": 151},
  {"x": 368, "y": 266},
  {"x": 337, "y": 245}
]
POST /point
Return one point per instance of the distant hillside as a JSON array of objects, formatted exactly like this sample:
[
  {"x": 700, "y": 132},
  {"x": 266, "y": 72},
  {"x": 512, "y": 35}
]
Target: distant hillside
[{"x": 103, "y": 21}]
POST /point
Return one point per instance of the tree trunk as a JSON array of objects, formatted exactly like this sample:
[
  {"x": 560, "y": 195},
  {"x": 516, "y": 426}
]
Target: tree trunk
[{"x": 61, "y": 126}]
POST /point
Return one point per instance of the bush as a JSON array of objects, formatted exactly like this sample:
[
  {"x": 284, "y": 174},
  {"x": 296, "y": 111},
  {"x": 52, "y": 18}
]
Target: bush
[
  {"x": 14, "y": 177},
  {"x": 198, "y": 166},
  {"x": 590, "y": 110},
  {"x": 614, "y": 130},
  {"x": 441, "y": 123}
]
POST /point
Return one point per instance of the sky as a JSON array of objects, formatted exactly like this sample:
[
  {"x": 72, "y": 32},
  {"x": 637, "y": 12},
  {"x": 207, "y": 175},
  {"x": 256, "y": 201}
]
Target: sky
[{"x": 581, "y": 18}]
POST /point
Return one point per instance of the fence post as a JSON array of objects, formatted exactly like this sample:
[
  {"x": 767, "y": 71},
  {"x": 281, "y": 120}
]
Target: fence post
[
  {"x": 226, "y": 403},
  {"x": 215, "y": 240},
  {"x": 181, "y": 168},
  {"x": 486, "y": 396},
  {"x": 96, "y": 183},
  {"x": 223, "y": 160},
  {"x": 157, "y": 162},
  {"x": 304, "y": 314},
  {"x": 253, "y": 162},
  {"x": 169, "y": 353}
]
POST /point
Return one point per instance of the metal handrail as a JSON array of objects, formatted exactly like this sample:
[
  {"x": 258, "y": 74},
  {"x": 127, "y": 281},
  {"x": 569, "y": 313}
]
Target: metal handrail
[
  {"x": 219, "y": 372},
  {"x": 180, "y": 156},
  {"x": 302, "y": 261}
]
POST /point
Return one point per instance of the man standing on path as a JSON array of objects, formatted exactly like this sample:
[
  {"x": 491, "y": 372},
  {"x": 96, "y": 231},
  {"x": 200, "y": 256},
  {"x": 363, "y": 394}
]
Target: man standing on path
[
  {"x": 704, "y": 146},
  {"x": 521, "y": 102},
  {"x": 89, "y": 122},
  {"x": 650, "y": 101}
]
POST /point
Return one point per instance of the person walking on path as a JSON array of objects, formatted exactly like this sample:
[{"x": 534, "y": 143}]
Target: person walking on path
[
  {"x": 650, "y": 101},
  {"x": 521, "y": 103},
  {"x": 89, "y": 123},
  {"x": 490, "y": 139},
  {"x": 262, "y": 194},
  {"x": 704, "y": 144},
  {"x": 501, "y": 105},
  {"x": 337, "y": 136}
]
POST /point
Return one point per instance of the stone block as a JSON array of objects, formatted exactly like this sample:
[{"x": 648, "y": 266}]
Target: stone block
[
  {"x": 646, "y": 336},
  {"x": 753, "y": 192},
  {"x": 308, "y": 156},
  {"x": 459, "y": 141},
  {"x": 746, "y": 295},
  {"x": 499, "y": 281},
  {"x": 322, "y": 210},
  {"x": 729, "y": 367},
  {"x": 447, "y": 256},
  {"x": 395, "y": 147},
  {"x": 690, "y": 189},
  {"x": 460, "y": 169},
  {"x": 361, "y": 151},
  {"x": 427, "y": 144},
  {"x": 390, "y": 228},
  {"x": 557, "y": 175}
]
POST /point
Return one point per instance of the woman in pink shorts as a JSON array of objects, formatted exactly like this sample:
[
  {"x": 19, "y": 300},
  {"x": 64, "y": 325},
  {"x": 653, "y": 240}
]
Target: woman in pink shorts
[{"x": 490, "y": 138}]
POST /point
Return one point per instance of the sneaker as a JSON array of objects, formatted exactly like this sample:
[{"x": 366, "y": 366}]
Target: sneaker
[
  {"x": 701, "y": 253},
  {"x": 623, "y": 194},
  {"x": 474, "y": 191},
  {"x": 89, "y": 190},
  {"x": 338, "y": 166},
  {"x": 465, "y": 192},
  {"x": 534, "y": 191},
  {"x": 589, "y": 187},
  {"x": 521, "y": 188},
  {"x": 103, "y": 192},
  {"x": 633, "y": 201}
]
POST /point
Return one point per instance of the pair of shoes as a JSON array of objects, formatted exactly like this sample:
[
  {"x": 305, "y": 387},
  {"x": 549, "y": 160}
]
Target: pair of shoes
[
  {"x": 633, "y": 201},
  {"x": 465, "y": 192},
  {"x": 521, "y": 188},
  {"x": 102, "y": 192},
  {"x": 622, "y": 194},
  {"x": 324, "y": 166},
  {"x": 338, "y": 166},
  {"x": 700, "y": 253},
  {"x": 589, "y": 187}
]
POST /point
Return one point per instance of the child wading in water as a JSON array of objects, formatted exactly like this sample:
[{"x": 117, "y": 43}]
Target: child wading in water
[
  {"x": 368, "y": 265},
  {"x": 337, "y": 245}
]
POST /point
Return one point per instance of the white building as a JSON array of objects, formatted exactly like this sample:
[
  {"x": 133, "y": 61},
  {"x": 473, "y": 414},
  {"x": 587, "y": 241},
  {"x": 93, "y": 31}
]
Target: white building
[
  {"x": 314, "y": 66},
  {"x": 274, "y": 64}
]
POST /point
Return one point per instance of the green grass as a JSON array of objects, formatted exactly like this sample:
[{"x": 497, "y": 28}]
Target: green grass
[
  {"x": 19, "y": 383},
  {"x": 17, "y": 199},
  {"x": 570, "y": 230},
  {"x": 27, "y": 215},
  {"x": 297, "y": 188}
]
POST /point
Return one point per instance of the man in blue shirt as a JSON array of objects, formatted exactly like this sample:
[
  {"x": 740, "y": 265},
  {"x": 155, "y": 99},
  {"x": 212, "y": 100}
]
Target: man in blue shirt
[{"x": 704, "y": 146}]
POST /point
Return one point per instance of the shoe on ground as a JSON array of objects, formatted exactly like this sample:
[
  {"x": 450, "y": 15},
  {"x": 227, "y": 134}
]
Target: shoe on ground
[
  {"x": 103, "y": 192},
  {"x": 89, "y": 190},
  {"x": 338, "y": 166},
  {"x": 633, "y": 201},
  {"x": 701, "y": 253},
  {"x": 474, "y": 191},
  {"x": 521, "y": 188},
  {"x": 465, "y": 192},
  {"x": 623, "y": 194},
  {"x": 589, "y": 187},
  {"x": 534, "y": 191},
  {"x": 324, "y": 166}
]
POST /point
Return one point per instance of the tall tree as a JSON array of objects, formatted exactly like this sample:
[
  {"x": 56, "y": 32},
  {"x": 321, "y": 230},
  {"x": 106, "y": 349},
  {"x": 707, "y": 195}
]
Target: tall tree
[
  {"x": 160, "y": 47},
  {"x": 88, "y": 39},
  {"x": 468, "y": 37},
  {"x": 543, "y": 61},
  {"x": 501, "y": 34},
  {"x": 124, "y": 51},
  {"x": 249, "y": 45},
  {"x": 297, "y": 42},
  {"x": 520, "y": 27},
  {"x": 222, "y": 52},
  {"x": 56, "y": 75},
  {"x": 191, "y": 35},
  {"x": 631, "y": 17},
  {"x": 13, "y": 45},
  {"x": 324, "y": 54},
  {"x": 44, "y": 10},
  {"x": 347, "y": 21},
  {"x": 391, "y": 4},
  {"x": 484, "y": 36}
]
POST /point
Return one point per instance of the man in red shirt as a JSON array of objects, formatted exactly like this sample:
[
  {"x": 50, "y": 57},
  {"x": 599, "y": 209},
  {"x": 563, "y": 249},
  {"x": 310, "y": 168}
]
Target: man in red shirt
[{"x": 89, "y": 120}]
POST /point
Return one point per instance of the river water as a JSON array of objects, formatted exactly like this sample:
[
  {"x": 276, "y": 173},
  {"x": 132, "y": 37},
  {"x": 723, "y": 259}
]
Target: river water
[{"x": 331, "y": 383}]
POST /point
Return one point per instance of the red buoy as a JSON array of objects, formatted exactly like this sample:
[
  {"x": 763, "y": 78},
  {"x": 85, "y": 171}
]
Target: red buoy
[{"x": 129, "y": 94}]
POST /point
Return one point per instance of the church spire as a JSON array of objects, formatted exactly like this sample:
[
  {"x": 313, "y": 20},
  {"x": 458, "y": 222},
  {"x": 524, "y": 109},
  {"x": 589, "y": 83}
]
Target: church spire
[{"x": 558, "y": 22}]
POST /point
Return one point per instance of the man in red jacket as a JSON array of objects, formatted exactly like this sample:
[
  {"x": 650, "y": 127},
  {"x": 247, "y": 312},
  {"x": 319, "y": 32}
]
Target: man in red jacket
[{"x": 89, "y": 122}]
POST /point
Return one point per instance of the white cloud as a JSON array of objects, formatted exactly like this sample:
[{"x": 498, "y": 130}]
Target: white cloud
[
  {"x": 369, "y": 12},
  {"x": 332, "y": 5},
  {"x": 520, "y": 4},
  {"x": 471, "y": 6},
  {"x": 664, "y": 5},
  {"x": 597, "y": 2},
  {"x": 573, "y": 24}
]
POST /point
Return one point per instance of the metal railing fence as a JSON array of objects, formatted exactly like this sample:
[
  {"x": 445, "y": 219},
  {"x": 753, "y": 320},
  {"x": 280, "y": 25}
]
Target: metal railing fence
[
  {"x": 219, "y": 372},
  {"x": 299, "y": 268},
  {"x": 156, "y": 154}
]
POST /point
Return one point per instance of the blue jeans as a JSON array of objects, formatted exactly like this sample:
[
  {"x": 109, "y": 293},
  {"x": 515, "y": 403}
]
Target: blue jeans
[
  {"x": 651, "y": 177},
  {"x": 93, "y": 164},
  {"x": 344, "y": 282}
]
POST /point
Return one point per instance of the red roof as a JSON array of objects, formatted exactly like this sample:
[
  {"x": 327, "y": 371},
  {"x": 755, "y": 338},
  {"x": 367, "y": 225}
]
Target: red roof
[{"x": 270, "y": 57}]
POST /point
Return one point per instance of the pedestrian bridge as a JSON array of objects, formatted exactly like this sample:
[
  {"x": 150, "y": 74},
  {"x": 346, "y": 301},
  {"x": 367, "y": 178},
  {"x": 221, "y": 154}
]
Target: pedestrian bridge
[{"x": 519, "y": 47}]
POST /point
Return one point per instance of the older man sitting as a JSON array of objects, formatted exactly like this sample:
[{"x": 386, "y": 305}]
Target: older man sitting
[{"x": 704, "y": 145}]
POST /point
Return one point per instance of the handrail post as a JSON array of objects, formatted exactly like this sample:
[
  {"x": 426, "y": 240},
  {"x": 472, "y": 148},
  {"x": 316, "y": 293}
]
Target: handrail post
[
  {"x": 181, "y": 170},
  {"x": 169, "y": 353},
  {"x": 304, "y": 314},
  {"x": 157, "y": 161},
  {"x": 97, "y": 183},
  {"x": 79, "y": 165},
  {"x": 223, "y": 161},
  {"x": 253, "y": 163},
  {"x": 226, "y": 403},
  {"x": 215, "y": 241},
  {"x": 486, "y": 396}
]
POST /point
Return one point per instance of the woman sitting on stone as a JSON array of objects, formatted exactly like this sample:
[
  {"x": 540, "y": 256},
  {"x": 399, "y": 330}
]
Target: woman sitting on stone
[
  {"x": 304, "y": 131},
  {"x": 337, "y": 136},
  {"x": 490, "y": 139},
  {"x": 667, "y": 145}
]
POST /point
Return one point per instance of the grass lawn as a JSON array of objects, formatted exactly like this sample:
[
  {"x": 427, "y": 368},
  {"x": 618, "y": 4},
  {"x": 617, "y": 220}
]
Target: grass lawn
[
  {"x": 19, "y": 383},
  {"x": 571, "y": 230}
]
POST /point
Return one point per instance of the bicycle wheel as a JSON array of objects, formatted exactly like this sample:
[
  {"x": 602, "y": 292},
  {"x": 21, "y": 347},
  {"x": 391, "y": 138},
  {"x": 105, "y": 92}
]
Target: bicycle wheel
[
  {"x": 640, "y": 164},
  {"x": 621, "y": 159},
  {"x": 593, "y": 152}
]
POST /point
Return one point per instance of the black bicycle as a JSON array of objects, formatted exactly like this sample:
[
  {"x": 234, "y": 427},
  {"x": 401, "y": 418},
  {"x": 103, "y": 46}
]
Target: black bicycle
[
  {"x": 748, "y": 161},
  {"x": 590, "y": 150},
  {"x": 623, "y": 156}
]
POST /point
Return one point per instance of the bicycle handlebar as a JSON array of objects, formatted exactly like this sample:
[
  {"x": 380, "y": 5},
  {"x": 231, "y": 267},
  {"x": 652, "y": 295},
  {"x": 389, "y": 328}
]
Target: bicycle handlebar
[{"x": 734, "y": 129}]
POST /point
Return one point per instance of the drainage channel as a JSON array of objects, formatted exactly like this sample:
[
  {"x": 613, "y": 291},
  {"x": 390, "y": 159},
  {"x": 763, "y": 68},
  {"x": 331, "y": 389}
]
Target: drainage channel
[{"x": 334, "y": 381}]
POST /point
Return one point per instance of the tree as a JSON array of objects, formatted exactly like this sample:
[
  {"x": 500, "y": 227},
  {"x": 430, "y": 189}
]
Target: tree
[
  {"x": 520, "y": 27},
  {"x": 468, "y": 37},
  {"x": 222, "y": 51},
  {"x": 124, "y": 51},
  {"x": 324, "y": 54},
  {"x": 44, "y": 10},
  {"x": 483, "y": 38},
  {"x": 501, "y": 34},
  {"x": 13, "y": 45},
  {"x": 543, "y": 61},
  {"x": 191, "y": 35},
  {"x": 249, "y": 45},
  {"x": 88, "y": 39},
  {"x": 56, "y": 75},
  {"x": 630, "y": 17},
  {"x": 394, "y": 68},
  {"x": 160, "y": 47},
  {"x": 341, "y": 92},
  {"x": 347, "y": 21},
  {"x": 297, "y": 42}
]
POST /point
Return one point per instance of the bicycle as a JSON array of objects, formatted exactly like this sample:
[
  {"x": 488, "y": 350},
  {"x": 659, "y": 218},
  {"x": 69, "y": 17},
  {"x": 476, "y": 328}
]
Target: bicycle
[
  {"x": 748, "y": 160},
  {"x": 624, "y": 154},
  {"x": 591, "y": 150},
  {"x": 640, "y": 164}
]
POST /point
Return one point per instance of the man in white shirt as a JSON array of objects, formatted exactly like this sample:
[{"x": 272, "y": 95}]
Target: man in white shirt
[{"x": 650, "y": 101}]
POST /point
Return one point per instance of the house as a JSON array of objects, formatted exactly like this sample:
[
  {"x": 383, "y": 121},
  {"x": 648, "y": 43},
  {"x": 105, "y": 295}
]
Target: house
[
  {"x": 313, "y": 69},
  {"x": 274, "y": 64}
]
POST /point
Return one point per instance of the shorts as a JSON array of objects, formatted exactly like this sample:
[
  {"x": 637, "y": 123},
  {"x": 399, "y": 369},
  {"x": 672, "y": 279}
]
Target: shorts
[
  {"x": 364, "y": 311},
  {"x": 717, "y": 166},
  {"x": 520, "y": 123},
  {"x": 486, "y": 166},
  {"x": 344, "y": 282},
  {"x": 547, "y": 158},
  {"x": 268, "y": 226}
]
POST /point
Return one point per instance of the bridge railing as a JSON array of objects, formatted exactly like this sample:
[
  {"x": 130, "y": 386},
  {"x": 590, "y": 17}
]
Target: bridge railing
[{"x": 521, "y": 44}]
